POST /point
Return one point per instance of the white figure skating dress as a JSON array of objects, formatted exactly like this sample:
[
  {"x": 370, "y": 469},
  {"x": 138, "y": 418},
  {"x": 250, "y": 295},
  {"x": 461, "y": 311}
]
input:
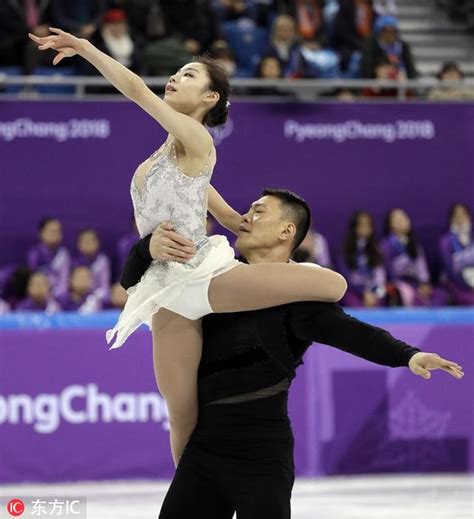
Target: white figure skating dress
[{"x": 161, "y": 192}]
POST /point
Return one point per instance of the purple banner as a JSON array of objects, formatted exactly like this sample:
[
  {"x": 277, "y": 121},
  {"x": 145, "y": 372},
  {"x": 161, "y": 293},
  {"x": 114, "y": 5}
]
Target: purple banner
[
  {"x": 76, "y": 159},
  {"x": 70, "y": 409}
]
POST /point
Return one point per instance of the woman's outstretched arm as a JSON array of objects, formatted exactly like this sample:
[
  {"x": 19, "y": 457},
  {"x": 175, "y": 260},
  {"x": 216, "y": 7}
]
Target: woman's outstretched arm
[
  {"x": 223, "y": 212},
  {"x": 192, "y": 134}
]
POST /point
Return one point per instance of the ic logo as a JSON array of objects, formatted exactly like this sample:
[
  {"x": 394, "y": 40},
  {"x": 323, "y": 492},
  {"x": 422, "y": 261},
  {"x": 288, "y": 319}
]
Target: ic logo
[{"x": 15, "y": 507}]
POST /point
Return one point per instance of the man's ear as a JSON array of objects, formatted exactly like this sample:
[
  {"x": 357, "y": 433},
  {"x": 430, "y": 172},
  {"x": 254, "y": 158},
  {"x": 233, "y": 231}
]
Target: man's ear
[{"x": 288, "y": 232}]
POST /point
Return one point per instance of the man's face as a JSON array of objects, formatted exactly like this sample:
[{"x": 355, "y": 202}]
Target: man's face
[{"x": 261, "y": 226}]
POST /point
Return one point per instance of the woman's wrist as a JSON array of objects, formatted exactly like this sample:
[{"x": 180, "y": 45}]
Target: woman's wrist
[{"x": 84, "y": 47}]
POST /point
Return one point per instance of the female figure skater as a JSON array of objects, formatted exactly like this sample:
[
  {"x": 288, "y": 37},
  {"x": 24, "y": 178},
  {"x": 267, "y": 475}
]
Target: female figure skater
[{"x": 174, "y": 184}]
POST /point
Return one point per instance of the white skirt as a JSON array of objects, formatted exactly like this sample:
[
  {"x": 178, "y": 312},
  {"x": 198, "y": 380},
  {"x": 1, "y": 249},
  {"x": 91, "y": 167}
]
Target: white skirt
[{"x": 165, "y": 282}]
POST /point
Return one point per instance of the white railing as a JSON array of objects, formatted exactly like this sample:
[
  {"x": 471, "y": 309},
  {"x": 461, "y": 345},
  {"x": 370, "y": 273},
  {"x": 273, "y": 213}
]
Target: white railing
[{"x": 304, "y": 89}]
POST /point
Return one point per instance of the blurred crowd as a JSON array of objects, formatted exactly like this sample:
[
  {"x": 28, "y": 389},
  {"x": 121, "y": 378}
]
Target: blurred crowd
[
  {"x": 391, "y": 271},
  {"x": 252, "y": 38}
]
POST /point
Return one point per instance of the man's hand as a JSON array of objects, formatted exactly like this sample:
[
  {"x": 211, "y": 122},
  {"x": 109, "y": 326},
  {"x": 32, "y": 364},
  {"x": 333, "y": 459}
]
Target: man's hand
[
  {"x": 168, "y": 245},
  {"x": 422, "y": 363}
]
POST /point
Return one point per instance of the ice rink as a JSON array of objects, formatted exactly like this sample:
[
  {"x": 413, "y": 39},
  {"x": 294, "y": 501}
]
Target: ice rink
[{"x": 389, "y": 497}]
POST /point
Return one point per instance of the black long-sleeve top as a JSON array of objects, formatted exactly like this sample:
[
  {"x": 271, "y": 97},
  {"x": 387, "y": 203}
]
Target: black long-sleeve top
[{"x": 247, "y": 351}]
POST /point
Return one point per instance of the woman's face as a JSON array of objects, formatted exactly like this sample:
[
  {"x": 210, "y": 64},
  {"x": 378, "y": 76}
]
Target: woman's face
[
  {"x": 187, "y": 90},
  {"x": 38, "y": 286},
  {"x": 364, "y": 228},
  {"x": 461, "y": 217},
  {"x": 88, "y": 243},
  {"x": 285, "y": 31},
  {"x": 52, "y": 234},
  {"x": 400, "y": 222}
]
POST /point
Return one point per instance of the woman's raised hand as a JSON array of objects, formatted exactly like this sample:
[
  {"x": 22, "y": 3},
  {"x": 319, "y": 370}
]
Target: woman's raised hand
[{"x": 64, "y": 43}]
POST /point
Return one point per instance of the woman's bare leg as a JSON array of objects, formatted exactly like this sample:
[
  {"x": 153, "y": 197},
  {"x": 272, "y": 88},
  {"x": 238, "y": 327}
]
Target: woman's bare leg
[
  {"x": 263, "y": 285},
  {"x": 177, "y": 346}
]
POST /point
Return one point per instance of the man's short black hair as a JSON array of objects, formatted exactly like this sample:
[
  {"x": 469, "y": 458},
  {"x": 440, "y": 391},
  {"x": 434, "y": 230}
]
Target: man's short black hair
[
  {"x": 296, "y": 208},
  {"x": 45, "y": 221}
]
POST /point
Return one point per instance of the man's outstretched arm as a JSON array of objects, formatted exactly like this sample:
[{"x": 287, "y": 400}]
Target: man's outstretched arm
[{"x": 327, "y": 323}]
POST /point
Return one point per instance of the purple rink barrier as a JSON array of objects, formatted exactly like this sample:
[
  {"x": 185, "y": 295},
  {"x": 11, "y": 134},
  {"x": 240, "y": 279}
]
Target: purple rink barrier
[
  {"x": 76, "y": 159},
  {"x": 70, "y": 409}
]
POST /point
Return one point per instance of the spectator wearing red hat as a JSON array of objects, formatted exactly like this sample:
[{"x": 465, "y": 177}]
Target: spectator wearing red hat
[{"x": 115, "y": 39}]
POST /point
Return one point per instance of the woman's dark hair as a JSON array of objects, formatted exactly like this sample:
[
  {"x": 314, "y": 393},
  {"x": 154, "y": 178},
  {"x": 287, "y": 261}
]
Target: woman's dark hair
[
  {"x": 412, "y": 244},
  {"x": 218, "y": 82},
  {"x": 350, "y": 246},
  {"x": 453, "y": 208}
]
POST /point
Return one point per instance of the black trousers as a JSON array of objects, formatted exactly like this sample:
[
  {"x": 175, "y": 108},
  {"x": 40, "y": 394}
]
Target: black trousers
[{"x": 239, "y": 458}]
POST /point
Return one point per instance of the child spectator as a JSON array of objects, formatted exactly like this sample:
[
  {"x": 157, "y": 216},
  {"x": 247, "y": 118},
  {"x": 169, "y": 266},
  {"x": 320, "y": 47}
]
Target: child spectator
[
  {"x": 39, "y": 297},
  {"x": 406, "y": 264},
  {"x": 362, "y": 263},
  {"x": 314, "y": 249},
  {"x": 50, "y": 257},
  {"x": 457, "y": 253},
  {"x": 386, "y": 42},
  {"x": 81, "y": 297},
  {"x": 90, "y": 255}
]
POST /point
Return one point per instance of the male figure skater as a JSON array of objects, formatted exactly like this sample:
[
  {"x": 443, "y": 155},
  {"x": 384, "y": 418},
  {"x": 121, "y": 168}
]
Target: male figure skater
[{"x": 240, "y": 456}]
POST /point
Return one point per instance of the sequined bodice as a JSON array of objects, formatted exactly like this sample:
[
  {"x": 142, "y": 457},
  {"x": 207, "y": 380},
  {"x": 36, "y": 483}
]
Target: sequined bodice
[{"x": 161, "y": 192}]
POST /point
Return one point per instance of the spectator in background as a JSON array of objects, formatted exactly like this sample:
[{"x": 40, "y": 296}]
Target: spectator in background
[
  {"x": 113, "y": 37},
  {"x": 362, "y": 264},
  {"x": 352, "y": 26},
  {"x": 39, "y": 298},
  {"x": 457, "y": 253},
  {"x": 146, "y": 18},
  {"x": 406, "y": 265},
  {"x": 386, "y": 43},
  {"x": 50, "y": 257},
  {"x": 79, "y": 17},
  {"x": 124, "y": 245},
  {"x": 231, "y": 10},
  {"x": 309, "y": 20},
  {"x": 314, "y": 249},
  {"x": 222, "y": 53},
  {"x": 90, "y": 255},
  {"x": 17, "y": 18},
  {"x": 194, "y": 21},
  {"x": 384, "y": 70},
  {"x": 451, "y": 73},
  {"x": 81, "y": 297},
  {"x": 284, "y": 41}
]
